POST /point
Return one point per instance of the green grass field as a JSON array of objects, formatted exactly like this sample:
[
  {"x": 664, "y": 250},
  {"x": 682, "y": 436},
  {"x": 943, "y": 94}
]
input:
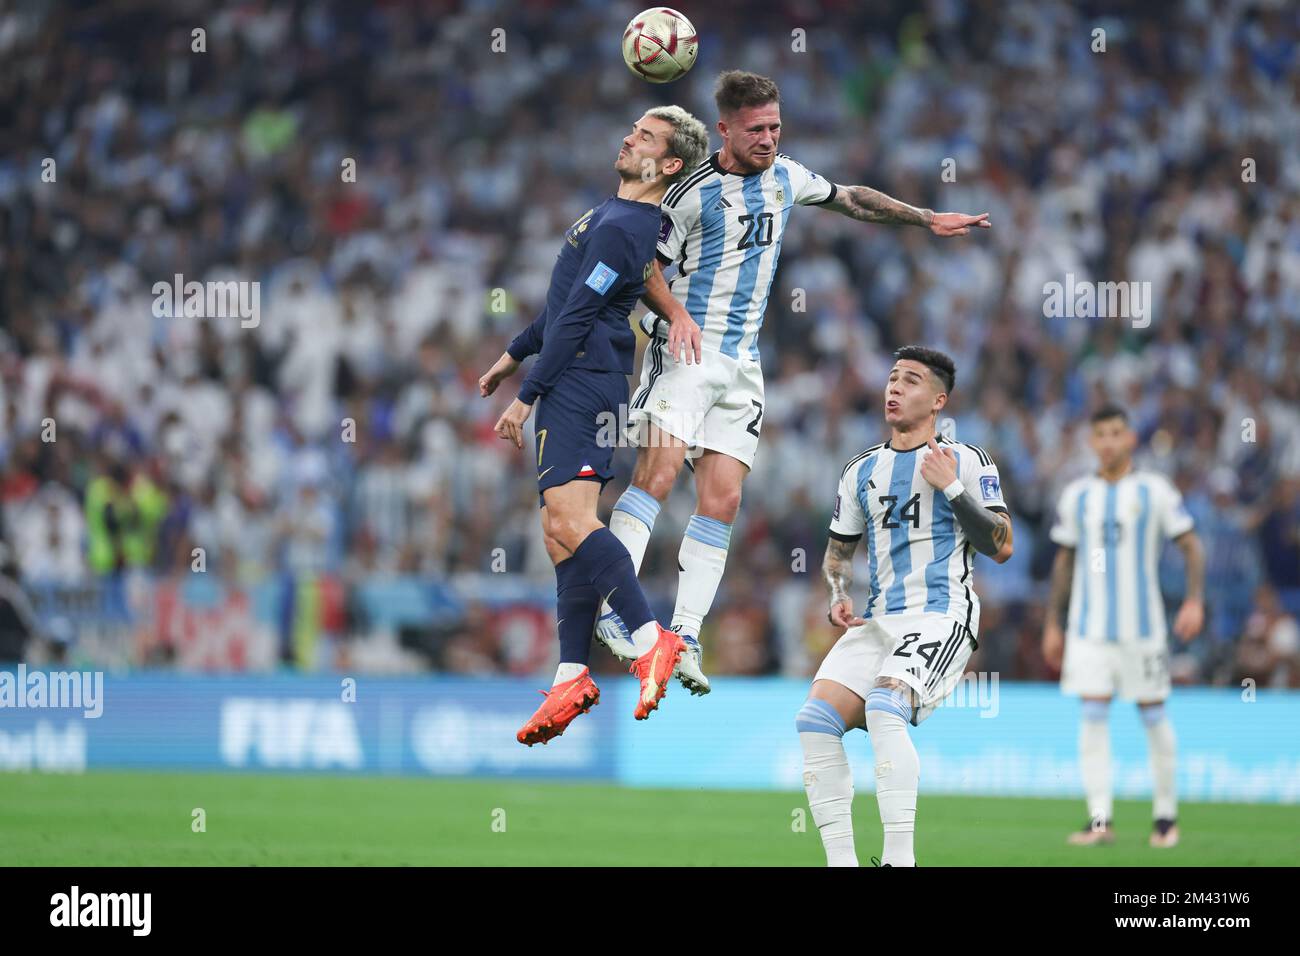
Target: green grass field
[{"x": 137, "y": 819}]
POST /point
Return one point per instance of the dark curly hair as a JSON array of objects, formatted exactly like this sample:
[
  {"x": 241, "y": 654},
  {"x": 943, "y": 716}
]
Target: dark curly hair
[{"x": 935, "y": 361}]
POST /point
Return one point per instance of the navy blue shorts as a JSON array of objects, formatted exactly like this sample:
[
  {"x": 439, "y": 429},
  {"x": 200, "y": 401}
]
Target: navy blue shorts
[{"x": 577, "y": 428}]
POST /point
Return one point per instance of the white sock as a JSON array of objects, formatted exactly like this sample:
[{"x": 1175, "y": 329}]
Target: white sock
[
  {"x": 566, "y": 672},
  {"x": 632, "y": 521},
  {"x": 644, "y": 637},
  {"x": 703, "y": 556},
  {"x": 827, "y": 779},
  {"x": 898, "y": 773},
  {"x": 1094, "y": 759},
  {"x": 1162, "y": 751}
]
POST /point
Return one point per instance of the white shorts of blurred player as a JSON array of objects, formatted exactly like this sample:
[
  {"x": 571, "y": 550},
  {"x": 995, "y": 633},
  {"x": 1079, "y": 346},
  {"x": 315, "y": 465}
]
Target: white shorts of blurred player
[
  {"x": 1130, "y": 670},
  {"x": 715, "y": 405},
  {"x": 928, "y": 652}
]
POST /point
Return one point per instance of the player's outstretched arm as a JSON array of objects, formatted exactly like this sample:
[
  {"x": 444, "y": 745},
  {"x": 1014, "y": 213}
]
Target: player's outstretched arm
[
  {"x": 1191, "y": 616},
  {"x": 837, "y": 570},
  {"x": 871, "y": 205}
]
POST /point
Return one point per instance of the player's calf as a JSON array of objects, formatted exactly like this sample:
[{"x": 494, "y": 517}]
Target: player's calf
[
  {"x": 827, "y": 779},
  {"x": 889, "y": 710}
]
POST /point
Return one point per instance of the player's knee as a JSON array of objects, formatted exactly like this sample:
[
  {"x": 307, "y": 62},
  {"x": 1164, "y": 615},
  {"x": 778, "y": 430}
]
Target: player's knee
[
  {"x": 566, "y": 531},
  {"x": 555, "y": 550},
  {"x": 894, "y": 699},
  {"x": 721, "y": 504},
  {"x": 818, "y": 716},
  {"x": 1096, "y": 711},
  {"x": 1152, "y": 714},
  {"x": 657, "y": 479}
]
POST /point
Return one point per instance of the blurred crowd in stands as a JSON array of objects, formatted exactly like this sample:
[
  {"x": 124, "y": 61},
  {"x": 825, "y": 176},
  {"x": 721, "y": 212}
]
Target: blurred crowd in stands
[{"x": 341, "y": 438}]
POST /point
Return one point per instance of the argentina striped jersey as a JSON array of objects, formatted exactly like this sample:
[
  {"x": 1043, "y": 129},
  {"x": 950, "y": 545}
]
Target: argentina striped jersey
[
  {"x": 918, "y": 556},
  {"x": 1117, "y": 530},
  {"x": 723, "y": 230}
]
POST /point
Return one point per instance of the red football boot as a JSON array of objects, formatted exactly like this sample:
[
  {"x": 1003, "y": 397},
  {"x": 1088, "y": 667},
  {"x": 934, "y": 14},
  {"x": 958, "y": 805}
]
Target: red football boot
[
  {"x": 655, "y": 668},
  {"x": 564, "y": 702}
]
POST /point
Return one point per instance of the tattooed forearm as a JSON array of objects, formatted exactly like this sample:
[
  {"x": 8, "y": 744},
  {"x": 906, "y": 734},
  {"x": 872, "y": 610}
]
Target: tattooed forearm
[
  {"x": 870, "y": 205},
  {"x": 837, "y": 568},
  {"x": 987, "y": 530},
  {"x": 1058, "y": 596},
  {"x": 1194, "y": 555}
]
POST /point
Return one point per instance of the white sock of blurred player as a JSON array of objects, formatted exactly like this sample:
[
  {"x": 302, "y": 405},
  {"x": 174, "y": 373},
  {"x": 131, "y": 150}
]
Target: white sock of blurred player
[
  {"x": 827, "y": 779},
  {"x": 898, "y": 771},
  {"x": 1094, "y": 758},
  {"x": 1162, "y": 752}
]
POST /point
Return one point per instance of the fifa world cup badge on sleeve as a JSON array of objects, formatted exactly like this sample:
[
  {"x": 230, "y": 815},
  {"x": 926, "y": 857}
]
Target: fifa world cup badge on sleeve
[
  {"x": 989, "y": 488},
  {"x": 665, "y": 228},
  {"x": 837, "y": 507},
  {"x": 601, "y": 278}
]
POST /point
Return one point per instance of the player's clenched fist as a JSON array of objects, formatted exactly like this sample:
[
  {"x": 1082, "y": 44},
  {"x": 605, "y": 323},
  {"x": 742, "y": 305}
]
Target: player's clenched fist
[
  {"x": 841, "y": 614},
  {"x": 510, "y": 425},
  {"x": 939, "y": 467},
  {"x": 505, "y": 367}
]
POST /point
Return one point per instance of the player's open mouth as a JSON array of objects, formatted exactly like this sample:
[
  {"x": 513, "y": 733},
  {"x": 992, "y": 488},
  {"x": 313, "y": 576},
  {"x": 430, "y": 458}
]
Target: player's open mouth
[{"x": 891, "y": 406}]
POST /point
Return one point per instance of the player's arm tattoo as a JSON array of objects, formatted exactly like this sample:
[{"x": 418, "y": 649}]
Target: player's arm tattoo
[
  {"x": 1058, "y": 595},
  {"x": 1194, "y": 554},
  {"x": 987, "y": 530},
  {"x": 870, "y": 205},
  {"x": 837, "y": 568}
]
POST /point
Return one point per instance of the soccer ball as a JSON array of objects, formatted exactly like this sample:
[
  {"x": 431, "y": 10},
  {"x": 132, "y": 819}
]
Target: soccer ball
[{"x": 659, "y": 45}]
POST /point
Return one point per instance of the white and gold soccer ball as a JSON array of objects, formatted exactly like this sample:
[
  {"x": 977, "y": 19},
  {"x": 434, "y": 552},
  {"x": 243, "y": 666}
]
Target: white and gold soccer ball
[{"x": 660, "y": 45}]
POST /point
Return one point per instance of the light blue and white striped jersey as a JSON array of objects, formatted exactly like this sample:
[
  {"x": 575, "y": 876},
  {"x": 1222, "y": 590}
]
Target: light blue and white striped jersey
[
  {"x": 918, "y": 556},
  {"x": 1117, "y": 530},
  {"x": 723, "y": 230}
]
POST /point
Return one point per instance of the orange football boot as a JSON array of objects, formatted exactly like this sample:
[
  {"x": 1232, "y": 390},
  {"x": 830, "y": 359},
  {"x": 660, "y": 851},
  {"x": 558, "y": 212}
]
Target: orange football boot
[
  {"x": 564, "y": 702},
  {"x": 655, "y": 668}
]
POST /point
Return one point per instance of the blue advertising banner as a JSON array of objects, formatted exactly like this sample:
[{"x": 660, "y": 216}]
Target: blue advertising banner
[
  {"x": 988, "y": 738},
  {"x": 438, "y": 726},
  {"x": 1012, "y": 739}
]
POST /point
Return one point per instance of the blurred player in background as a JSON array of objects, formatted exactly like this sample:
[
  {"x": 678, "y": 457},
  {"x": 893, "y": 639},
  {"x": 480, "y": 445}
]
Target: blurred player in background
[
  {"x": 926, "y": 505},
  {"x": 585, "y": 350},
  {"x": 1110, "y": 527},
  {"x": 722, "y": 226}
]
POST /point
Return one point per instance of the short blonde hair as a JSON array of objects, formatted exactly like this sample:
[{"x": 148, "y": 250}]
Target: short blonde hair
[{"x": 689, "y": 141}]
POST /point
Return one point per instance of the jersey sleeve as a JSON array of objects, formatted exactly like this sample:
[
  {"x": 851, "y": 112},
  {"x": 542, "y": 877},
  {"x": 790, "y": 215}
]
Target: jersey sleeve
[
  {"x": 608, "y": 264},
  {"x": 847, "y": 521},
  {"x": 678, "y": 216},
  {"x": 1175, "y": 520},
  {"x": 1065, "y": 530},
  {"x": 529, "y": 341},
  {"x": 980, "y": 477},
  {"x": 809, "y": 188}
]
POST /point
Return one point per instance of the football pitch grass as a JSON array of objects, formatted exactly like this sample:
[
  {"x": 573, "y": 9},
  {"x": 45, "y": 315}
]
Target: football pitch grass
[{"x": 146, "y": 819}]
